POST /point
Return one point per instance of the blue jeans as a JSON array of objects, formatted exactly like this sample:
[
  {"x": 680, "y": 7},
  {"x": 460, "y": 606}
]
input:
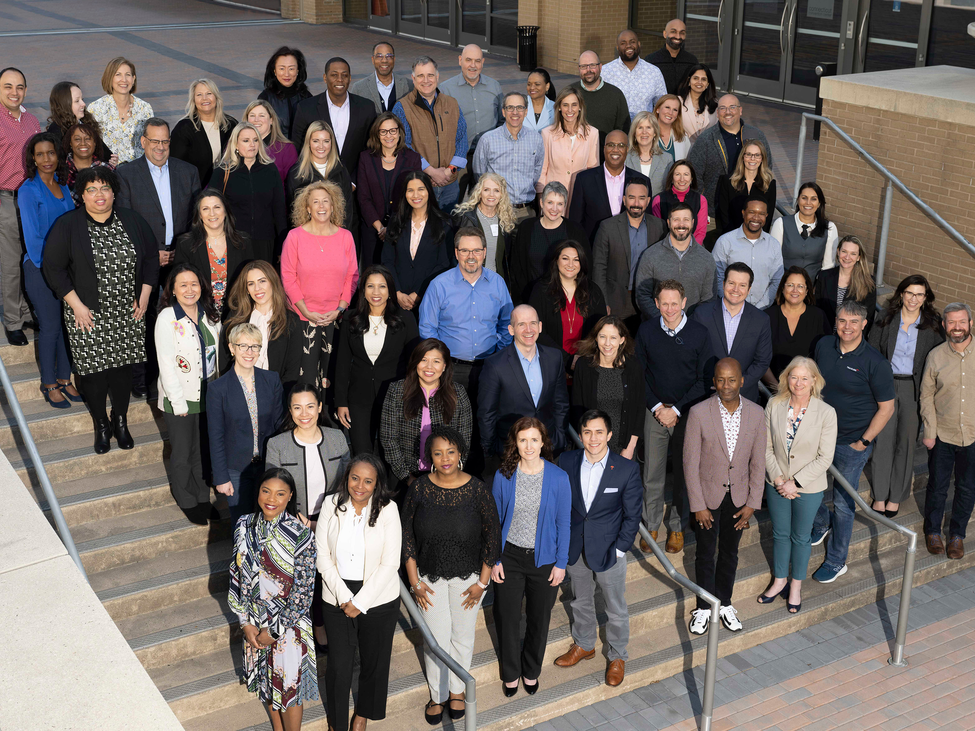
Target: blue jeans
[
  {"x": 53, "y": 352},
  {"x": 447, "y": 198},
  {"x": 792, "y": 522},
  {"x": 942, "y": 461},
  {"x": 850, "y": 463}
]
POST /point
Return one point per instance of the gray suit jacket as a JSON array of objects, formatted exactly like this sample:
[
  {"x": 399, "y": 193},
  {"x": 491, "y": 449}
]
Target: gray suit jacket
[
  {"x": 611, "y": 260},
  {"x": 138, "y": 192},
  {"x": 283, "y": 451},
  {"x": 403, "y": 85}
]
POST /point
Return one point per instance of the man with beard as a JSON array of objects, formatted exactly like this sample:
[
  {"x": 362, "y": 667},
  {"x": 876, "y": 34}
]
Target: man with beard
[
  {"x": 751, "y": 245},
  {"x": 673, "y": 59},
  {"x": 675, "y": 256},
  {"x": 606, "y": 106},
  {"x": 949, "y": 433},
  {"x": 641, "y": 82}
]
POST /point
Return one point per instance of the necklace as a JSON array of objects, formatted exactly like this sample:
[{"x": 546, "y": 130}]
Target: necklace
[{"x": 376, "y": 321}]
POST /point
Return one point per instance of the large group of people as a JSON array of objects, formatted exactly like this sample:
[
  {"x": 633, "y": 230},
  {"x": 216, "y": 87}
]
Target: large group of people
[{"x": 379, "y": 320}]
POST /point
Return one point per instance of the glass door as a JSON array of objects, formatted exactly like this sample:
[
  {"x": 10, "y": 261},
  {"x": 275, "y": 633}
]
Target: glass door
[
  {"x": 472, "y": 22},
  {"x": 761, "y": 64},
  {"x": 707, "y": 21},
  {"x": 888, "y": 34},
  {"x": 379, "y": 15},
  {"x": 429, "y": 19},
  {"x": 813, "y": 37}
]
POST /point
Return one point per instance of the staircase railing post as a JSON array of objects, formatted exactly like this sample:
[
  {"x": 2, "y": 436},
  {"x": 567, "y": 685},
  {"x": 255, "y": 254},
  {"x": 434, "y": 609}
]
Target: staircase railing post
[
  {"x": 884, "y": 233},
  {"x": 897, "y": 659},
  {"x": 801, "y": 151}
]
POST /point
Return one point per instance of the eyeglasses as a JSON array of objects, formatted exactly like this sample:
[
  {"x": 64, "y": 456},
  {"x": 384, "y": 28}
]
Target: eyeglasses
[
  {"x": 587, "y": 66},
  {"x": 248, "y": 348},
  {"x": 914, "y": 295},
  {"x": 389, "y": 132},
  {"x": 616, "y": 145},
  {"x": 91, "y": 189},
  {"x": 156, "y": 143},
  {"x": 731, "y": 108},
  {"x": 384, "y": 56},
  {"x": 796, "y": 287},
  {"x": 752, "y": 155},
  {"x": 517, "y": 108},
  {"x": 468, "y": 252}
]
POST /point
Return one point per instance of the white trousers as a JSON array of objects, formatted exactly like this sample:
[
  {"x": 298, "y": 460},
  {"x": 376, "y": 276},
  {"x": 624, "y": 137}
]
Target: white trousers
[{"x": 453, "y": 628}]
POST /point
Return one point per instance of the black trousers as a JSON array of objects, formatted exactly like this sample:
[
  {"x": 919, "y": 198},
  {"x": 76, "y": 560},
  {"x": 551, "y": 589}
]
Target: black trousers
[
  {"x": 718, "y": 577},
  {"x": 186, "y": 478},
  {"x": 364, "y": 431},
  {"x": 522, "y": 580},
  {"x": 97, "y": 386},
  {"x": 467, "y": 375},
  {"x": 373, "y": 634}
]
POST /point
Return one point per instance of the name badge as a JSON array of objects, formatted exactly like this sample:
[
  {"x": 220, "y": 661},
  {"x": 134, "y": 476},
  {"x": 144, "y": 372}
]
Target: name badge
[{"x": 494, "y": 229}]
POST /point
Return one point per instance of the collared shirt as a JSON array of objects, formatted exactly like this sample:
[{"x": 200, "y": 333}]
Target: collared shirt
[
  {"x": 829, "y": 256},
  {"x": 386, "y": 91},
  {"x": 14, "y": 136},
  {"x": 946, "y": 406},
  {"x": 614, "y": 189},
  {"x": 732, "y": 144},
  {"x": 472, "y": 319},
  {"x": 459, "y": 160},
  {"x": 902, "y": 361},
  {"x": 340, "y": 119},
  {"x": 638, "y": 244},
  {"x": 642, "y": 86},
  {"x": 590, "y": 475},
  {"x": 518, "y": 160},
  {"x": 481, "y": 103},
  {"x": 731, "y": 323},
  {"x": 160, "y": 179},
  {"x": 763, "y": 255},
  {"x": 679, "y": 252},
  {"x": 533, "y": 373},
  {"x": 731, "y": 423},
  {"x": 673, "y": 334}
]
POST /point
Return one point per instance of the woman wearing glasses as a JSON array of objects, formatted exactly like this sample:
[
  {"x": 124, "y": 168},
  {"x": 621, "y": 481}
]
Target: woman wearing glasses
[
  {"x": 797, "y": 323},
  {"x": 753, "y": 174}
]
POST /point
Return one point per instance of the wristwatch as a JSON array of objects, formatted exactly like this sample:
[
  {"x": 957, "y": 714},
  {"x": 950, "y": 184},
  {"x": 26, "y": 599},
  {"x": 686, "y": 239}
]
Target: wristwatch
[{"x": 864, "y": 442}]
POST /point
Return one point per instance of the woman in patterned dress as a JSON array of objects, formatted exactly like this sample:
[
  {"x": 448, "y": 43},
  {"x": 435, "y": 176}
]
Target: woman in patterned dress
[
  {"x": 79, "y": 151},
  {"x": 120, "y": 114},
  {"x": 103, "y": 262},
  {"x": 272, "y": 579}
]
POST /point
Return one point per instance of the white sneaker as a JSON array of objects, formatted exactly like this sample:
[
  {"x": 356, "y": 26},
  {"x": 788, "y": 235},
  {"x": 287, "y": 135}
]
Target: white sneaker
[
  {"x": 729, "y": 618},
  {"x": 700, "y": 619}
]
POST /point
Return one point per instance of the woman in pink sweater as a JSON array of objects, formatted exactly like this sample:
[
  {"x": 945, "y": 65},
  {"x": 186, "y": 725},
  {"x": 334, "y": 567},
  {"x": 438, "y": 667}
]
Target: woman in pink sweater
[{"x": 319, "y": 272}]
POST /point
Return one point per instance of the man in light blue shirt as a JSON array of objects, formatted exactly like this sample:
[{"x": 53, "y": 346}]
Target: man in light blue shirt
[
  {"x": 514, "y": 152},
  {"x": 752, "y": 246},
  {"x": 525, "y": 331}
]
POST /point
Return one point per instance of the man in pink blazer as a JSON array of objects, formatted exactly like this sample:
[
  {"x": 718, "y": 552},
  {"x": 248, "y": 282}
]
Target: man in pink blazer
[{"x": 724, "y": 470}]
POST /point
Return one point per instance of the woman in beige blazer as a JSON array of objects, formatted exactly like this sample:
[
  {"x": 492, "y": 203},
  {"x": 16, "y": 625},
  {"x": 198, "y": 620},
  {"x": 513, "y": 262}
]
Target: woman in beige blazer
[
  {"x": 360, "y": 537},
  {"x": 801, "y": 438},
  {"x": 570, "y": 143}
]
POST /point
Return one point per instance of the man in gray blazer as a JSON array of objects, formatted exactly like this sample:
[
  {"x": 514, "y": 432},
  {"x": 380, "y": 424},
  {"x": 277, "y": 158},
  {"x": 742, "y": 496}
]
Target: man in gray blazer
[
  {"x": 382, "y": 88},
  {"x": 724, "y": 471}
]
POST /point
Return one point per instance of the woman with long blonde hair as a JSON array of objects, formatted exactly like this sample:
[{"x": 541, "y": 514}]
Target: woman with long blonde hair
[
  {"x": 646, "y": 156},
  {"x": 279, "y": 148},
  {"x": 672, "y": 139},
  {"x": 849, "y": 279},
  {"x": 488, "y": 207},
  {"x": 201, "y": 136},
  {"x": 318, "y": 159},
  {"x": 753, "y": 174},
  {"x": 570, "y": 143}
]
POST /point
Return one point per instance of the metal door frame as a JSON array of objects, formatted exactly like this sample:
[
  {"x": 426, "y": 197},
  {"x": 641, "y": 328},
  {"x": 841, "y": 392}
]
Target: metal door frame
[
  {"x": 859, "y": 50},
  {"x": 421, "y": 30},
  {"x": 721, "y": 74}
]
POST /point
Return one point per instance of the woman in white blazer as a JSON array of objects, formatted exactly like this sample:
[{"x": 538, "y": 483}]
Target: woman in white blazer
[
  {"x": 186, "y": 334},
  {"x": 801, "y": 431},
  {"x": 359, "y": 537}
]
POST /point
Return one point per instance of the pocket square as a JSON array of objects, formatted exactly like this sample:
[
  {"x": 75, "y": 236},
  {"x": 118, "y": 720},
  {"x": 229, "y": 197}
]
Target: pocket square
[{"x": 612, "y": 489}]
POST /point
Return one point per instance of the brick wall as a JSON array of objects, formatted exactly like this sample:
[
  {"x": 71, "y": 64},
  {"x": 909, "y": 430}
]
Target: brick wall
[
  {"x": 569, "y": 27},
  {"x": 650, "y": 17},
  {"x": 936, "y": 160}
]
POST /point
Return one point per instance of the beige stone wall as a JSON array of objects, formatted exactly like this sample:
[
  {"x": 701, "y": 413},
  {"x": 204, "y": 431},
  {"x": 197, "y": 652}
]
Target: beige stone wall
[
  {"x": 933, "y": 158},
  {"x": 569, "y": 27}
]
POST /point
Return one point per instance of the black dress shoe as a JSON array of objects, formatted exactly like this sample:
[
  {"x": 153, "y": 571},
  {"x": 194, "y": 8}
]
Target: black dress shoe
[
  {"x": 139, "y": 390},
  {"x": 198, "y": 514},
  {"x": 121, "y": 430},
  {"x": 16, "y": 337},
  {"x": 103, "y": 436},
  {"x": 433, "y": 718},
  {"x": 509, "y": 692},
  {"x": 32, "y": 324},
  {"x": 530, "y": 689}
]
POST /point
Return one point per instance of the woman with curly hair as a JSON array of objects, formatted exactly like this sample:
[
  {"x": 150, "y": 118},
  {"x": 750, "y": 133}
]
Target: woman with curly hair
[
  {"x": 488, "y": 207},
  {"x": 78, "y": 150},
  {"x": 67, "y": 108},
  {"x": 284, "y": 84},
  {"x": 319, "y": 159},
  {"x": 752, "y": 176},
  {"x": 202, "y": 135},
  {"x": 534, "y": 502}
]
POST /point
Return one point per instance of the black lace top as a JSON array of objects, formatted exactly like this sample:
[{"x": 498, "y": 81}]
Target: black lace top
[{"x": 450, "y": 533}]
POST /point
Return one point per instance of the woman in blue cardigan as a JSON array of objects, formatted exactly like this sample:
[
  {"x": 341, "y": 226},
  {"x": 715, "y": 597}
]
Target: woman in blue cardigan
[{"x": 534, "y": 503}]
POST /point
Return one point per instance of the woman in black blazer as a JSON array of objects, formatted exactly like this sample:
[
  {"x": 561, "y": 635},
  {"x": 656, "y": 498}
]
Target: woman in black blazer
[
  {"x": 319, "y": 160},
  {"x": 375, "y": 343},
  {"x": 852, "y": 276},
  {"x": 213, "y": 245},
  {"x": 190, "y": 139},
  {"x": 752, "y": 174},
  {"x": 419, "y": 225},
  {"x": 253, "y": 188},
  {"x": 568, "y": 303},
  {"x": 609, "y": 377},
  {"x": 488, "y": 207}
]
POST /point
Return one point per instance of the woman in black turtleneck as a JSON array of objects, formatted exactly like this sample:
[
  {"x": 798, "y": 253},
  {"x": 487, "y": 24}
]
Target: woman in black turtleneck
[{"x": 284, "y": 84}]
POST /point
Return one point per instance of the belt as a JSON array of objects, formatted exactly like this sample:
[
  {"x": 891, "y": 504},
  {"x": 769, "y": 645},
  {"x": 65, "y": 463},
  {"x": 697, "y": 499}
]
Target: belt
[
  {"x": 466, "y": 362},
  {"x": 9, "y": 192},
  {"x": 518, "y": 548},
  {"x": 519, "y": 206},
  {"x": 901, "y": 377}
]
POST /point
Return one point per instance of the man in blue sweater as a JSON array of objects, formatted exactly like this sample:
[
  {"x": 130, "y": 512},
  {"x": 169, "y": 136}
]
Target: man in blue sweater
[{"x": 674, "y": 352}]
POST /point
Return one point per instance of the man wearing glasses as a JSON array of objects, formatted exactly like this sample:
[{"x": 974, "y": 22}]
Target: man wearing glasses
[
  {"x": 382, "y": 89},
  {"x": 715, "y": 152},
  {"x": 606, "y": 106},
  {"x": 161, "y": 189},
  {"x": 513, "y": 152}
]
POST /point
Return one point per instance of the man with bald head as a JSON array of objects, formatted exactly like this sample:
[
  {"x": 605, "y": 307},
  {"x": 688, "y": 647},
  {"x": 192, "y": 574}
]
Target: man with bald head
[
  {"x": 724, "y": 471},
  {"x": 673, "y": 59},
  {"x": 524, "y": 379},
  {"x": 641, "y": 82},
  {"x": 606, "y": 106},
  {"x": 715, "y": 152}
]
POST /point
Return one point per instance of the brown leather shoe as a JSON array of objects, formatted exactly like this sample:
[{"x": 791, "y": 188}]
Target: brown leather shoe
[
  {"x": 956, "y": 548},
  {"x": 574, "y": 655},
  {"x": 934, "y": 543},
  {"x": 614, "y": 673},
  {"x": 644, "y": 546},
  {"x": 675, "y": 542}
]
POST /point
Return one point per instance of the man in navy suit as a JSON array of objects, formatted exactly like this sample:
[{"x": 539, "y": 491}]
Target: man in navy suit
[
  {"x": 607, "y": 501},
  {"x": 524, "y": 379},
  {"x": 738, "y": 329}
]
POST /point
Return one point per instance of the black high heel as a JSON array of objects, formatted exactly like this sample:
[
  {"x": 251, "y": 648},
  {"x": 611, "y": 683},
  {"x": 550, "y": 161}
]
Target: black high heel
[
  {"x": 892, "y": 513},
  {"x": 530, "y": 689},
  {"x": 509, "y": 692},
  {"x": 763, "y": 599}
]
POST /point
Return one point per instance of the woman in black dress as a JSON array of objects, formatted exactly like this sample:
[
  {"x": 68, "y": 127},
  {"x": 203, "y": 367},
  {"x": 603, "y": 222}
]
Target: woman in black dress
[
  {"x": 284, "y": 84},
  {"x": 797, "y": 323},
  {"x": 319, "y": 159},
  {"x": 201, "y": 137}
]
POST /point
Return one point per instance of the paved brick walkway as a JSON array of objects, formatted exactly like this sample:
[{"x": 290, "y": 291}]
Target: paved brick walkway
[{"x": 833, "y": 675}]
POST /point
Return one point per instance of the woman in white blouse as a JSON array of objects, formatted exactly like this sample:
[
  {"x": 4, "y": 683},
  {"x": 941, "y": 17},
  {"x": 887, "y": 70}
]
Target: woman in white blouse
[
  {"x": 810, "y": 241},
  {"x": 120, "y": 114},
  {"x": 359, "y": 539}
]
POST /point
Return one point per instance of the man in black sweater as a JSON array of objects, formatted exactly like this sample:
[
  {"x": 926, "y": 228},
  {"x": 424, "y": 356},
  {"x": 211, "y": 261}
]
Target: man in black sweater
[
  {"x": 674, "y": 351},
  {"x": 673, "y": 59}
]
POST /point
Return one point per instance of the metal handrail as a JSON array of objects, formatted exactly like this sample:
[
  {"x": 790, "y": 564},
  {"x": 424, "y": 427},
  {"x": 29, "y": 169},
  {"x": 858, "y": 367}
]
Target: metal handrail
[
  {"x": 897, "y": 656},
  {"x": 470, "y": 696},
  {"x": 892, "y": 182},
  {"x": 711, "y": 663},
  {"x": 35, "y": 457}
]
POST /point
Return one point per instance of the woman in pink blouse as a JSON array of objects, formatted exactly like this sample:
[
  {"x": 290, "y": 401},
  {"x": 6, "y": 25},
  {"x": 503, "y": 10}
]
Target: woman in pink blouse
[
  {"x": 319, "y": 272},
  {"x": 570, "y": 144}
]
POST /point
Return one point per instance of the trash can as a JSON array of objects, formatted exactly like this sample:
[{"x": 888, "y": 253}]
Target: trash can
[
  {"x": 527, "y": 47},
  {"x": 822, "y": 70}
]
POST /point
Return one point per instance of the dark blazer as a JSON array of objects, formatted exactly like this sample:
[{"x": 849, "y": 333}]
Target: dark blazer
[
  {"x": 362, "y": 113},
  {"x": 826, "y": 287},
  {"x": 229, "y": 421},
  {"x": 469, "y": 218},
  {"x": 338, "y": 175},
  {"x": 503, "y": 397},
  {"x": 730, "y": 202},
  {"x": 70, "y": 265},
  {"x": 415, "y": 274},
  {"x": 522, "y": 273},
  {"x": 551, "y": 320},
  {"x": 584, "y": 396},
  {"x": 256, "y": 199},
  {"x": 283, "y": 353},
  {"x": 360, "y": 381},
  {"x": 200, "y": 259},
  {"x": 590, "y": 201},
  {"x": 192, "y": 145},
  {"x": 613, "y": 518},
  {"x": 375, "y": 200},
  {"x": 284, "y": 106},
  {"x": 611, "y": 260},
  {"x": 138, "y": 192},
  {"x": 884, "y": 339},
  {"x": 752, "y": 347}
]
